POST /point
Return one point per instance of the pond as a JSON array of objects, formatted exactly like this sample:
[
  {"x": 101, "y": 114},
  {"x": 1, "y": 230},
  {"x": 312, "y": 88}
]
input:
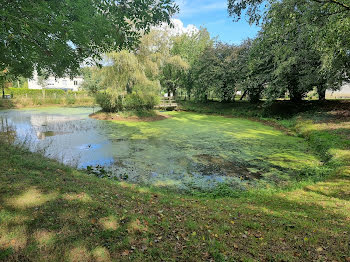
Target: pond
[{"x": 185, "y": 151}]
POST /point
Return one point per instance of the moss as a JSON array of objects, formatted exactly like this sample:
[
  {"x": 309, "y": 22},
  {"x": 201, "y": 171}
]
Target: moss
[{"x": 189, "y": 143}]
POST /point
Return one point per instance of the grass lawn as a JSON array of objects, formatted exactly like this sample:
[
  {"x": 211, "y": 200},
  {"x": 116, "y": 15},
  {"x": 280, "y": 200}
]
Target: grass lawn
[{"x": 50, "y": 212}]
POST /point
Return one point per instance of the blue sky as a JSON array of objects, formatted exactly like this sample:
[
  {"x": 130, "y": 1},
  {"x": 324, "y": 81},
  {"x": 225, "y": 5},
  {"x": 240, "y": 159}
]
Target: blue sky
[{"x": 213, "y": 15}]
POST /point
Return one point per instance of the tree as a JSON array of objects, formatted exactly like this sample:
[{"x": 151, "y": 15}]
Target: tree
[
  {"x": 173, "y": 73},
  {"x": 257, "y": 9},
  {"x": 57, "y": 36},
  {"x": 92, "y": 79},
  {"x": 284, "y": 57},
  {"x": 327, "y": 21},
  {"x": 123, "y": 85},
  {"x": 190, "y": 48},
  {"x": 298, "y": 61},
  {"x": 256, "y": 67},
  {"x": 226, "y": 71},
  {"x": 208, "y": 74}
]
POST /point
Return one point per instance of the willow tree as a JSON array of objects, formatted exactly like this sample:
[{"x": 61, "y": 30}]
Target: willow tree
[{"x": 124, "y": 79}]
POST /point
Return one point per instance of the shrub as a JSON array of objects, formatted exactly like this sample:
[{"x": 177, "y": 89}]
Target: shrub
[
  {"x": 108, "y": 103},
  {"x": 138, "y": 102},
  {"x": 131, "y": 102},
  {"x": 34, "y": 92},
  {"x": 36, "y": 97},
  {"x": 70, "y": 99}
]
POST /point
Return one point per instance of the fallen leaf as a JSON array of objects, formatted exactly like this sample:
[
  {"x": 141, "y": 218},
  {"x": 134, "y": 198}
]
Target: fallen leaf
[{"x": 125, "y": 253}]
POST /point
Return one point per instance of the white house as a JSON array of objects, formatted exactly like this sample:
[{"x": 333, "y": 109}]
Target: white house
[{"x": 65, "y": 83}]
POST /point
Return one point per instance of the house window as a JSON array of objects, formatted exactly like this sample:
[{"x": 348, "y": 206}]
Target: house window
[{"x": 75, "y": 82}]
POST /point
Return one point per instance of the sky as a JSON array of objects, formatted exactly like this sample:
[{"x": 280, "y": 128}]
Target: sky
[{"x": 213, "y": 15}]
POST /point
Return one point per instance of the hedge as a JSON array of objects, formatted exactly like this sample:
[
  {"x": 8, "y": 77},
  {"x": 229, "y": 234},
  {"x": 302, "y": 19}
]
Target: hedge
[{"x": 33, "y": 92}]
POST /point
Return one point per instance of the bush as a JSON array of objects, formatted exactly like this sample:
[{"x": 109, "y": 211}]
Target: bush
[
  {"x": 108, "y": 103},
  {"x": 70, "y": 99},
  {"x": 34, "y": 92},
  {"x": 131, "y": 102},
  {"x": 139, "y": 102}
]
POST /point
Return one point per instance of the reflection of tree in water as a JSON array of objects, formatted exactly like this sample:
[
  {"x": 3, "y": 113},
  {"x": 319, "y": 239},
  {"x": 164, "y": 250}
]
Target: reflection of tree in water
[
  {"x": 48, "y": 125},
  {"x": 7, "y": 131}
]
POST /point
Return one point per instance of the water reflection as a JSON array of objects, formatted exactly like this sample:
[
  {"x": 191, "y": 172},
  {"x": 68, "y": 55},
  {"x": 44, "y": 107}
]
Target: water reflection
[{"x": 7, "y": 131}]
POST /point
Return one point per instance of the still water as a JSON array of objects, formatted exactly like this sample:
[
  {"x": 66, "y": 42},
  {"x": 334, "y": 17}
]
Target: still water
[{"x": 185, "y": 151}]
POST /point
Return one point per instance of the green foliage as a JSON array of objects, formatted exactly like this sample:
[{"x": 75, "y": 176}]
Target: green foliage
[
  {"x": 207, "y": 74},
  {"x": 23, "y": 97},
  {"x": 220, "y": 72},
  {"x": 190, "y": 47},
  {"x": 325, "y": 22},
  {"x": 174, "y": 72},
  {"x": 131, "y": 102},
  {"x": 140, "y": 101},
  {"x": 57, "y": 36},
  {"x": 109, "y": 103},
  {"x": 283, "y": 59},
  {"x": 34, "y": 92},
  {"x": 123, "y": 84}
]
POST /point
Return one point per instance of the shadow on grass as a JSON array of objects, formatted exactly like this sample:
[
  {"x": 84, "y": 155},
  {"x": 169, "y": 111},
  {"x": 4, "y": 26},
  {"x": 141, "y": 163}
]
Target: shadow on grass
[{"x": 50, "y": 212}]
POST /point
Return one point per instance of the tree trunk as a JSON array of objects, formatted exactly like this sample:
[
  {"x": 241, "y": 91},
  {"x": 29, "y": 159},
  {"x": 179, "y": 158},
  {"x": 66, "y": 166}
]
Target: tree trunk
[
  {"x": 295, "y": 97},
  {"x": 321, "y": 91},
  {"x": 3, "y": 91},
  {"x": 254, "y": 98},
  {"x": 244, "y": 94},
  {"x": 128, "y": 88}
]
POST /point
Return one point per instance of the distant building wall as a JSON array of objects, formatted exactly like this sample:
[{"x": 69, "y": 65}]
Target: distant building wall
[
  {"x": 65, "y": 83},
  {"x": 344, "y": 92}
]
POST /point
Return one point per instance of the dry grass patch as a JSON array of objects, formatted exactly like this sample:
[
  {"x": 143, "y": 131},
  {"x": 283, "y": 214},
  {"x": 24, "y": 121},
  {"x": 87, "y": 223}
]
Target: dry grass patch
[
  {"x": 109, "y": 223},
  {"x": 31, "y": 198},
  {"x": 137, "y": 227},
  {"x": 83, "y": 197},
  {"x": 79, "y": 254},
  {"x": 101, "y": 254}
]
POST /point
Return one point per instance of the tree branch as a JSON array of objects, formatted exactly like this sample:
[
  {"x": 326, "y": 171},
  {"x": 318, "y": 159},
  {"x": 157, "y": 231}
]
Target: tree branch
[{"x": 345, "y": 6}]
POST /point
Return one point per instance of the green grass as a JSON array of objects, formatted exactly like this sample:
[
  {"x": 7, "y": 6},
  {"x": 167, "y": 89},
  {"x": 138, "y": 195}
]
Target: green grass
[{"x": 50, "y": 212}]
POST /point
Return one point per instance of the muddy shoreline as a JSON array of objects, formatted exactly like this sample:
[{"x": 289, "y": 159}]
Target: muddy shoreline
[{"x": 134, "y": 118}]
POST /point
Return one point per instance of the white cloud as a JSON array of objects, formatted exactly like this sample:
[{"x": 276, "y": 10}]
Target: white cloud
[{"x": 179, "y": 28}]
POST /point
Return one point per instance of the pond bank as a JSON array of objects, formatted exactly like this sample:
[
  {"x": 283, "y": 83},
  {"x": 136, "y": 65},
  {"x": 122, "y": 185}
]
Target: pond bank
[
  {"x": 39, "y": 102},
  {"x": 52, "y": 212},
  {"x": 132, "y": 117}
]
